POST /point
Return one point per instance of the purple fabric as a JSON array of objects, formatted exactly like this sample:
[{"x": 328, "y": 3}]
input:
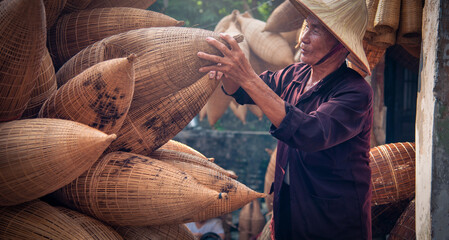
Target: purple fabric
[{"x": 325, "y": 139}]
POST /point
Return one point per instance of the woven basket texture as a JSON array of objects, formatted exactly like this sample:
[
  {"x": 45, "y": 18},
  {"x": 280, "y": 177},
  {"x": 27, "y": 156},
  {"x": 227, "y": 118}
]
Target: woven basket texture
[
  {"x": 237, "y": 193},
  {"x": 234, "y": 30},
  {"x": 203, "y": 113},
  {"x": 384, "y": 217},
  {"x": 141, "y": 4},
  {"x": 269, "y": 179},
  {"x": 217, "y": 105},
  {"x": 74, "y": 32},
  {"x": 125, "y": 189},
  {"x": 149, "y": 126},
  {"x": 371, "y": 6},
  {"x": 97, "y": 229},
  {"x": 404, "y": 229},
  {"x": 53, "y": 8},
  {"x": 384, "y": 40},
  {"x": 266, "y": 232},
  {"x": 224, "y": 23},
  {"x": 99, "y": 97},
  {"x": 239, "y": 110},
  {"x": 38, "y": 220},
  {"x": 38, "y": 156},
  {"x": 181, "y": 147},
  {"x": 411, "y": 18},
  {"x": 257, "y": 219},
  {"x": 387, "y": 16},
  {"x": 292, "y": 37},
  {"x": 75, "y": 5},
  {"x": 245, "y": 222},
  {"x": 168, "y": 59},
  {"x": 259, "y": 65},
  {"x": 177, "y": 156},
  {"x": 284, "y": 18},
  {"x": 373, "y": 53},
  {"x": 269, "y": 46},
  {"x": 164, "y": 232},
  {"x": 22, "y": 40},
  {"x": 44, "y": 88},
  {"x": 393, "y": 172}
]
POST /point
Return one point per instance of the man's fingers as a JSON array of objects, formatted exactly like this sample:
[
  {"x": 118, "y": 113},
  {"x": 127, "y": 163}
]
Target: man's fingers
[
  {"x": 212, "y": 75},
  {"x": 218, "y": 45},
  {"x": 209, "y": 57},
  {"x": 219, "y": 75},
  {"x": 231, "y": 41}
]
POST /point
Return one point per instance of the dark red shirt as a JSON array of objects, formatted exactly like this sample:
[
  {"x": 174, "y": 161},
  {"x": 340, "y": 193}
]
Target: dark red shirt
[{"x": 325, "y": 139}]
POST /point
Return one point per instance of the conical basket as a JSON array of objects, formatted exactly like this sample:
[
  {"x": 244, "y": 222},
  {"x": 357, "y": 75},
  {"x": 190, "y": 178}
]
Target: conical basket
[
  {"x": 168, "y": 59},
  {"x": 411, "y": 18},
  {"x": 149, "y": 126},
  {"x": 177, "y": 231},
  {"x": 373, "y": 53},
  {"x": 75, "y": 5},
  {"x": 269, "y": 46},
  {"x": 97, "y": 229},
  {"x": 181, "y": 147},
  {"x": 387, "y": 16},
  {"x": 266, "y": 232},
  {"x": 384, "y": 40},
  {"x": 237, "y": 193},
  {"x": 141, "y": 4},
  {"x": 53, "y": 8},
  {"x": 404, "y": 229},
  {"x": 44, "y": 88},
  {"x": 38, "y": 220},
  {"x": 371, "y": 6},
  {"x": 99, "y": 97},
  {"x": 223, "y": 24},
  {"x": 127, "y": 189},
  {"x": 245, "y": 222},
  {"x": 170, "y": 156},
  {"x": 393, "y": 172},
  {"x": 256, "y": 111},
  {"x": 284, "y": 18},
  {"x": 74, "y": 32},
  {"x": 259, "y": 65},
  {"x": 203, "y": 113},
  {"x": 257, "y": 219},
  {"x": 239, "y": 110},
  {"x": 269, "y": 179},
  {"x": 38, "y": 156},
  {"x": 292, "y": 37},
  {"x": 217, "y": 105},
  {"x": 22, "y": 39}
]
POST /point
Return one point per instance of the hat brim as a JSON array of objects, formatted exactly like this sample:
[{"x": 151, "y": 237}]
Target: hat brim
[{"x": 356, "y": 55}]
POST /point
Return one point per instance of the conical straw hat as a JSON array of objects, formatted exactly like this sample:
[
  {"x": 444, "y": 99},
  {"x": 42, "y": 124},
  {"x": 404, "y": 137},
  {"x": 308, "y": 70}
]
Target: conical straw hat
[{"x": 346, "y": 20}]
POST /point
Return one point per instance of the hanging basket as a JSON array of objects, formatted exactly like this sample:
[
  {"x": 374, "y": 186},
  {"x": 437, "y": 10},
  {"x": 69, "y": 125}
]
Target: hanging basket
[
  {"x": 239, "y": 111},
  {"x": 22, "y": 40},
  {"x": 393, "y": 172},
  {"x": 74, "y": 32},
  {"x": 384, "y": 40},
  {"x": 76, "y": 5},
  {"x": 256, "y": 111},
  {"x": 284, "y": 18},
  {"x": 257, "y": 219},
  {"x": 266, "y": 232},
  {"x": 38, "y": 156},
  {"x": 245, "y": 222},
  {"x": 126, "y": 189},
  {"x": 44, "y": 88},
  {"x": 99, "y": 97},
  {"x": 214, "y": 178},
  {"x": 53, "y": 8},
  {"x": 38, "y": 220},
  {"x": 405, "y": 226},
  {"x": 371, "y": 6},
  {"x": 269, "y": 179},
  {"x": 181, "y": 147},
  {"x": 373, "y": 53},
  {"x": 411, "y": 19},
  {"x": 177, "y": 231},
  {"x": 224, "y": 23},
  {"x": 217, "y": 105},
  {"x": 387, "y": 16},
  {"x": 140, "y": 4},
  {"x": 95, "y": 228}
]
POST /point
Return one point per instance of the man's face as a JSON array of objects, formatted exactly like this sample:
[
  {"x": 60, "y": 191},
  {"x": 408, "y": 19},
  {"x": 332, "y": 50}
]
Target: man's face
[{"x": 316, "y": 41}]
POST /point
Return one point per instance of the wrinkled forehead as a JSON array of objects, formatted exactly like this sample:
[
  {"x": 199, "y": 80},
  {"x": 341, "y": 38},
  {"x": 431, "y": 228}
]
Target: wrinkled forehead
[{"x": 313, "y": 21}]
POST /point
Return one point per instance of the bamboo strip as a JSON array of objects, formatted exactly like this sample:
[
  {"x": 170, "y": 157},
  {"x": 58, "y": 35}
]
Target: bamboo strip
[{"x": 404, "y": 229}]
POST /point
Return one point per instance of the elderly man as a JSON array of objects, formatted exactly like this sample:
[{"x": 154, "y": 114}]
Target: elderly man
[{"x": 321, "y": 113}]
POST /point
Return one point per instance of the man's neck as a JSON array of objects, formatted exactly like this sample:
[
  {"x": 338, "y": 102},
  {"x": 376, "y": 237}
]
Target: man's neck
[{"x": 322, "y": 70}]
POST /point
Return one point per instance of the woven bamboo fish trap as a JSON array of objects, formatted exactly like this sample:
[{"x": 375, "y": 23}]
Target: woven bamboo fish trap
[
  {"x": 53, "y": 8},
  {"x": 256, "y": 111},
  {"x": 181, "y": 147},
  {"x": 237, "y": 193},
  {"x": 95, "y": 228},
  {"x": 269, "y": 179},
  {"x": 384, "y": 217},
  {"x": 22, "y": 39},
  {"x": 141, "y": 4},
  {"x": 44, "y": 88},
  {"x": 170, "y": 156},
  {"x": 99, "y": 97},
  {"x": 38, "y": 156},
  {"x": 164, "y": 232},
  {"x": 126, "y": 189},
  {"x": 257, "y": 219},
  {"x": 411, "y": 23},
  {"x": 233, "y": 30},
  {"x": 74, "y": 32},
  {"x": 387, "y": 16},
  {"x": 239, "y": 110},
  {"x": 393, "y": 172},
  {"x": 284, "y": 18},
  {"x": 223, "y": 24},
  {"x": 269, "y": 46},
  {"x": 38, "y": 220},
  {"x": 373, "y": 53},
  {"x": 245, "y": 222},
  {"x": 168, "y": 59},
  {"x": 292, "y": 37},
  {"x": 371, "y": 6},
  {"x": 75, "y": 5},
  {"x": 259, "y": 65},
  {"x": 384, "y": 40},
  {"x": 203, "y": 113},
  {"x": 266, "y": 232},
  {"x": 404, "y": 229},
  {"x": 217, "y": 105},
  {"x": 149, "y": 126}
]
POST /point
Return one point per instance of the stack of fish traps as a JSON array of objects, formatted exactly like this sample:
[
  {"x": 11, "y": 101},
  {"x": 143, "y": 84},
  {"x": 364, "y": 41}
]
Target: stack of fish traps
[{"x": 92, "y": 93}]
